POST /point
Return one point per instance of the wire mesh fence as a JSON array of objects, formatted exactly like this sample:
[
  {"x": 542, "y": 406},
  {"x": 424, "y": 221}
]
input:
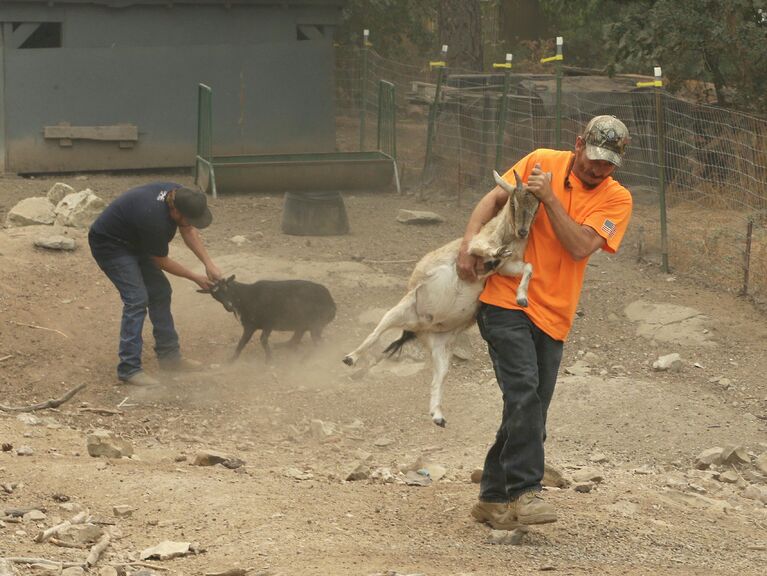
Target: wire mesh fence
[{"x": 712, "y": 171}]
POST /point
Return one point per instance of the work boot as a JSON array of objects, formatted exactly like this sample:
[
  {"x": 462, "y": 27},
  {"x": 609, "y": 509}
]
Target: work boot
[
  {"x": 180, "y": 364},
  {"x": 140, "y": 378},
  {"x": 530, "y": 508},
  {"x": 497, "y": 514}
]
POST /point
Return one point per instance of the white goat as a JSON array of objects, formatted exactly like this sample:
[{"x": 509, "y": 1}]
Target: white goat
[{"x": 439, "y": 305}]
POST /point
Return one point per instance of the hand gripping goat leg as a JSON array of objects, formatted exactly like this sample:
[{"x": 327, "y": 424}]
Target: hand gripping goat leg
[{"x": 439, "y": 305}]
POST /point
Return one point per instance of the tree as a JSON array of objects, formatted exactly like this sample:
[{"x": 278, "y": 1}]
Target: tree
[
  {"x": 402, "y": 29},
  {"x": 707, "y": 40},
  {"x": 397, "y": 27},
  {"x": 582, "y": 26},
  {"x": 460, "y": 27}
]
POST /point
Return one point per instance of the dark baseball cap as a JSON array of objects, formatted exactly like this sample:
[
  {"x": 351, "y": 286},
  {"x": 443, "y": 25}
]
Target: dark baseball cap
[
  {"x": 606, "y": 138},
  {"x": 193, "y": 205}
]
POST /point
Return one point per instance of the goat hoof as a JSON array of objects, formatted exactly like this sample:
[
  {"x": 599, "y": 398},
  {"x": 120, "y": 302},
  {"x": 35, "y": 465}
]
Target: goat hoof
[
  {"x": 441, "y": 422},
  {"x": 522, "y": 302},
  {"x": 348, "y": 360}
]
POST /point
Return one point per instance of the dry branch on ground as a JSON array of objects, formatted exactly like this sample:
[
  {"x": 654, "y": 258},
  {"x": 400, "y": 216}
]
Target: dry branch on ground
[{"x": 54, "y": 403}]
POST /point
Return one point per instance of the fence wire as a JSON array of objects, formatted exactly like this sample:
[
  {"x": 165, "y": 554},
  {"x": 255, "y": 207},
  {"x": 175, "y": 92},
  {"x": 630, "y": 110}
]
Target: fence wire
[{"x": 714, "y": 166}]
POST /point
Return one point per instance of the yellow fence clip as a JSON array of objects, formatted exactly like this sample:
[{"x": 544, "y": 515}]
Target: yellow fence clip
[
  {"x": 552, "y": 58},
  {"x": 440, "y": 63},
  {"x": 558, "y": 56},
  {"x": 507, "y": 64},
  {"x": 658, "y": 82}
]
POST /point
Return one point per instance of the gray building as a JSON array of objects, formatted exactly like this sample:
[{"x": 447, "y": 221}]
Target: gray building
[{"x": 112, "y": 84}]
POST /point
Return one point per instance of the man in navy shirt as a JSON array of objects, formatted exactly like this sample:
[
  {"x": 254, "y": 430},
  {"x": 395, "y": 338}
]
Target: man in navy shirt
[{"x": 129, "y": 242}]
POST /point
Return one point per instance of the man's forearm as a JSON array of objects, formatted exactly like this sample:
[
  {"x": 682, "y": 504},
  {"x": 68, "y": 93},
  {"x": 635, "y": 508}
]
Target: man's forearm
[
  {"x": 579, "y": 241},
  {"x": 193, "y": 240},
  {"x": 484, "y": 211},
  {"x": 172, "y": 267}
]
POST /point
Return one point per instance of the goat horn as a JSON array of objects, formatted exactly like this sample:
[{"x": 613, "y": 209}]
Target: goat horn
[
  {"x": 502, "y": 183},
  {"x": 520, "y": 184}
]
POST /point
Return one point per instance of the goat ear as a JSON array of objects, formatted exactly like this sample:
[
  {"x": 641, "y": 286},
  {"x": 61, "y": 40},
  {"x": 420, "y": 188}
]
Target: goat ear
[{"x": 230, "y": 278}]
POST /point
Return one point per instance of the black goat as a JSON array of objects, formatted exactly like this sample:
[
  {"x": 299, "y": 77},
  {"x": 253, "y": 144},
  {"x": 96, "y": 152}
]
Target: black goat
[{"x": 296, "y": 306}]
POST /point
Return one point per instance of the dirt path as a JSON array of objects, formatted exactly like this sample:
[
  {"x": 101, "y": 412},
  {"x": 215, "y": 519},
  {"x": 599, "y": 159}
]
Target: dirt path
[{"x": 289, "y": 509}]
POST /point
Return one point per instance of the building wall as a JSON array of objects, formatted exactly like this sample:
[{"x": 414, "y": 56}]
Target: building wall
[{"x": 140, "y": 65}]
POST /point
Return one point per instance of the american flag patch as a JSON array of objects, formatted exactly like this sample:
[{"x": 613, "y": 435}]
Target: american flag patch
[{"x": 608, "y": 227}]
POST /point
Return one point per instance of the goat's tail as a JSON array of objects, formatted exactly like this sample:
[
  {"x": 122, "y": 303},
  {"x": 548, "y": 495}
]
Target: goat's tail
[{"x": 396, "y": 346}]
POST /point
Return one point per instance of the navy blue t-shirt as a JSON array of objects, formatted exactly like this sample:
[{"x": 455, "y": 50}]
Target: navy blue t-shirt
[{"x": 137, "y": 222}]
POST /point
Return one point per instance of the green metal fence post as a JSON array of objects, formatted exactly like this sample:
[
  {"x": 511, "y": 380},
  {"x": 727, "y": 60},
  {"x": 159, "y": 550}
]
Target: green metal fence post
[
  {"x": 557, "y": 59},
  {"x": 747, "y": 257},
  {"x": 199, "y": 132},
  {"x": 487, "y": 131},
  {"x": 660, "y": 129},
  {"x": 658, "y": 85},
  {"x": 387, "y": 119},
  {"x": 441, "y": 66},
  {"x": 204, "y": 157},
  {"x": 363, "y": 87},
  {"x": 387, "y": 125},
  {"x": 502, "y": 111}
]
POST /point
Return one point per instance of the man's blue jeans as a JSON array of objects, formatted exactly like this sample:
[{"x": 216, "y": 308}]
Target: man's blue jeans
[
  {"x": 526, "y": 361},
  {"x": 142, "y": 287}
]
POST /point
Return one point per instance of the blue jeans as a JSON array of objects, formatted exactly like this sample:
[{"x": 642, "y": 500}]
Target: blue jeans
[
  {"x": 142, "y": 286},
  {"x": 526, "y": 361}
]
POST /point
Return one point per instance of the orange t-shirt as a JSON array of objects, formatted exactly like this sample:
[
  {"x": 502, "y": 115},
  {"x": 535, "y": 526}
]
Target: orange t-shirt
[{"x": 557, "y": 279}]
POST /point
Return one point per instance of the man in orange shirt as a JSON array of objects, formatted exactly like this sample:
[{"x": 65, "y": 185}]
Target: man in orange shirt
[{"x": 584, "y": 210}]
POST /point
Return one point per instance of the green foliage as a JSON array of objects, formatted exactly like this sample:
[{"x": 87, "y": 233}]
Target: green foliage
[
  {"x": 719, "y": 41},
  {"x": 398, "y": 28},
  {"x": 576, "y": 16},
  {"x": 723, "y": 42},
  {"x": 581, "y": 24}
]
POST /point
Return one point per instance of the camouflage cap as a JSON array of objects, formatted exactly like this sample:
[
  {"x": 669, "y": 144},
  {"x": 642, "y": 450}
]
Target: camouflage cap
[{"x": 606, "y": 138}]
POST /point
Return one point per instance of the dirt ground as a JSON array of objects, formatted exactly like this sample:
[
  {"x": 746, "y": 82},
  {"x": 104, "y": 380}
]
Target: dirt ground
[{"x": 289, "y": 509}]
